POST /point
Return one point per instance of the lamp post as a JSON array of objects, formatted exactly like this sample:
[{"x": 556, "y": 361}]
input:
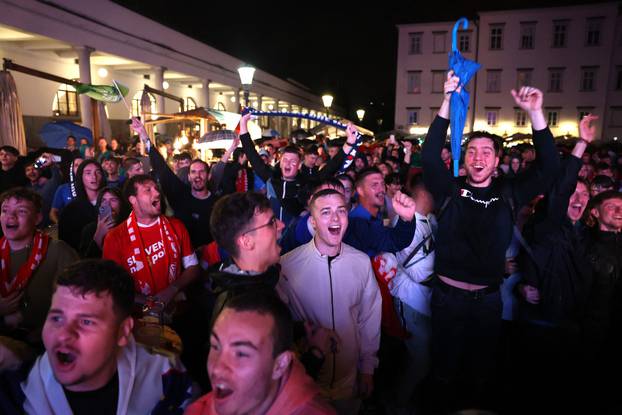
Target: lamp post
[
  {"x": 246, "y": 72},
  {"x": 327, "y": 100},
  {"x": 360, "y": 113}
]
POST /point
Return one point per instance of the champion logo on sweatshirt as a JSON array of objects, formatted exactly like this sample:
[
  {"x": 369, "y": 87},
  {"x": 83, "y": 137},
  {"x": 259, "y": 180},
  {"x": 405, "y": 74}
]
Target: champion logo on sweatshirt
[{"x": 469, "y": 195}]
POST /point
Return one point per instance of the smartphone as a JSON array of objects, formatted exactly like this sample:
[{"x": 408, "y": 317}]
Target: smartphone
[{"x": 105, "y": 210}]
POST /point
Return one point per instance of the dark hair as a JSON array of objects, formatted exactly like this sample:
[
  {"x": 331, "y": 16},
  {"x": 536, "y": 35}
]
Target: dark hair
[
  {"x": 232, "y": 214},
  {"x": 111, "y": 157},
  {"x": 79, "y": 182},
  {"x": 312, "y": 149},
  {"x": 606, "y": 195},
  {"x": 291, "y": 149},
  {"x": 496, "y": 140},
  {"x": 130, "y": 162},
  {"x": 313, "y": 184},
  {"x": 182, "y": 156},
  {"x": 393, "y": 178},
  {"x": 324, "y": 193},
  {"x": 269, "y": 304},
  {"x": 364, "y": 173},
  {"x": 237, "y": 153},
  {"x": 603, "y": 166},
  {"x": 10, "y": 149},
  {"x": 98, "y": 276},
  {"x": 129, "y": 189},
  {"x": 603, "y": 181},
  {"x": 23, "y": 193},
  {"x": 124, "y": 212},
  {"x": 345, "y": 177}
]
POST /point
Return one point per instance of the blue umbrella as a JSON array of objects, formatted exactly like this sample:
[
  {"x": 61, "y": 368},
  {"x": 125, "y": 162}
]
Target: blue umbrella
[
  {"x": 463, "y": 69},
  {"x": 55, "y": 133}
]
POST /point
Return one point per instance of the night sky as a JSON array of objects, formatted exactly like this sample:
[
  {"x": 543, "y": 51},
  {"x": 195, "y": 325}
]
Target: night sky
[{"x": 348, "y": 52}]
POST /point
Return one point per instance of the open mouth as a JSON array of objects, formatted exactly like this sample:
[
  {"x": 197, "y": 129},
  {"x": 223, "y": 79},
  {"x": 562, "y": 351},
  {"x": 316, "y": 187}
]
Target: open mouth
[
  {"x": 65, "y": 359},
  {"x": 222, "y": 391},
  {"x": 156, "y": 204},
  {"x": 11, "y": 227},
  {"x": 334, "y": 229},
  {"x": 478, "y": 168}
]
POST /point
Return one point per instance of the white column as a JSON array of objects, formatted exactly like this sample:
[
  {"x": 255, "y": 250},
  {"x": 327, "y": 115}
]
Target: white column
[
  {"x": 86, "y": 108},
  {"x": 205, "y": 93},
  {"x": 158, "y": 79}
]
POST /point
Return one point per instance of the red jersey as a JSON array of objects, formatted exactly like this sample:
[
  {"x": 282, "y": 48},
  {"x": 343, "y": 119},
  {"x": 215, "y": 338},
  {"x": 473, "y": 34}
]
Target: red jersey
[{"x": 160, "y": 272}]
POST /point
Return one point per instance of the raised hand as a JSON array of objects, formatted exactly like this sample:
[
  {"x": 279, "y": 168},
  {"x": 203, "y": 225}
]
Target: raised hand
[
  {"x": 404, "y": 206},
  {"x": 351, "y": 134},
  {"x": 244, "y": 123},
  {"x": 587, "y": 128},
  {"x": 451, "y": 84},
  {"x": 138, "y": 126},
  {"x": 528, "y": 98}
]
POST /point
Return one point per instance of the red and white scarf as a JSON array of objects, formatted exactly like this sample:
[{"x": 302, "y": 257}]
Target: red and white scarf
[
  {"x": 241, "y": 183},
  {"x": 143, "y": 276},
  {"x": 10, "y": 285}
]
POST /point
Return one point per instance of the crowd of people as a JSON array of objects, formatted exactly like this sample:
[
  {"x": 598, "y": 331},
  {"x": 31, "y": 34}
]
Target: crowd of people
[{"x": 301, "y": 283}]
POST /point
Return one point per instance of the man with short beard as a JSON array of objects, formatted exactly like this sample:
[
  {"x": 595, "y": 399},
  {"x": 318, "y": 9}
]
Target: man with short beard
[
  {"x": 192, "y": 204},
  {"x": 332, "y": 285},
  {"x": 155, "y": 249},
  {"x": 285, "y": 183},
  {"x": 474, "y": 232}
]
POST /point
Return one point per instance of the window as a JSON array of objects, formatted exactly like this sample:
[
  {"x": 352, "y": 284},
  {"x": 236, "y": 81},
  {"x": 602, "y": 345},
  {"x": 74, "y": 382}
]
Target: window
[
  {"x": 616, "y": 117},
  {"x": 618, "y": 78},
  {"x": 527, "y": 35},
  {"x": 433, "y": 112},
  {"x": 414, "y": 82},
  {"x": 190, "y": 104},
  {"x": 588, "y": 78},
  {"x": 560, "y": 30},
  {"x": 439, "y": 42},
  {"x": 593, "y": 29},
  {"x": 583, "y": 111},
  {"x": 496, "y": 36},
  {"x": 555, "y": 79},
  {"x": 438, "y": 81},
  {"x": 413, "y": 115},
  {"x": 552, "y": 117},
  {"x": 414, "y": 45},
  {"x": 492, "y": 115},
  {"x": 523, "y": 77},
  {"x": 493, "y": 80},
  {"x": 464, "y": 41},
  {"x": 138, "y": 109},
  {"x": 520, "y": 117},
  {"x": 66, "y": 102}
]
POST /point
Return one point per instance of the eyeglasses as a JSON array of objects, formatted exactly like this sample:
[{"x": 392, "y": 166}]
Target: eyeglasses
[{"x": 271, "y": 222}]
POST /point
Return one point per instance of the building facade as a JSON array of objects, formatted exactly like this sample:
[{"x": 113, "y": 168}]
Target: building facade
[
  {"x": 98, "y": 41},
  {"x": 571, "y": 53}
]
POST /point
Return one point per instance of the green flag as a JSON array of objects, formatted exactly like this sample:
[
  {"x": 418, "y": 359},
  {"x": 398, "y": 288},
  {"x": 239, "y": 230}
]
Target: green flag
[{"x": 106, "y": 93}]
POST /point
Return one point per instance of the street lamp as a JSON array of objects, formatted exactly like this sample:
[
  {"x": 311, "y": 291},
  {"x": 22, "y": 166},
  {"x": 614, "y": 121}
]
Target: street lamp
[
  {"x": 246, "y": 72},
  {"x": 360, "y": 113},
  {"x": 328, "y": 101}
]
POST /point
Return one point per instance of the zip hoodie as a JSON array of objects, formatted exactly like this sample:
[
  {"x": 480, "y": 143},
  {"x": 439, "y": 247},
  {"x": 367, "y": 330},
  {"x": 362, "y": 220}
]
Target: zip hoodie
[
  {"x": 148, "y": 383},
  {"x": 298, "y": 395},
  {"x": 338, "y": 293}
]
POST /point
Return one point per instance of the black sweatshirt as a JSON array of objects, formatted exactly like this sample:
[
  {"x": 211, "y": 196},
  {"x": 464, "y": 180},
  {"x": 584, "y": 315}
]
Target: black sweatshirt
[
  {"x": 287, "y": 204},
  {"x": 476, "y": 227},
  {"x": 194, "y": 213}
]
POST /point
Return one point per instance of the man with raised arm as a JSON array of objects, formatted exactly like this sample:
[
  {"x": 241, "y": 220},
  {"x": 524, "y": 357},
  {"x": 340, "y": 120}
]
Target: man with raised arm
[{"x": 475, "y": 229}]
